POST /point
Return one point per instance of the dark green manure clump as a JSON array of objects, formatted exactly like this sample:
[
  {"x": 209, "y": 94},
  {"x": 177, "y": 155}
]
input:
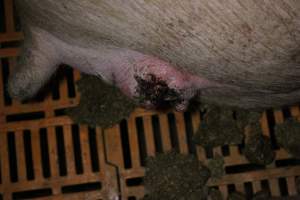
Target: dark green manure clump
[
  {"x": 174, "y": 176},
  {"x": 288, "y": 136},
  {"x": 237, "y": 196},
  {"x": 258, "y": 148},
  {"x": 100, "y": 104},
  {"x": 218, "y": 128},
  {"x": 262, "y": 195},
  {"x": 226, "y": 126},
  {"x": 216, "y": 167},
  {"x": 215, "y": 194}
]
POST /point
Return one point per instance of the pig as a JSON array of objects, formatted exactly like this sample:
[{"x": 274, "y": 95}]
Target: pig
[{"x": 241, "y": 53}]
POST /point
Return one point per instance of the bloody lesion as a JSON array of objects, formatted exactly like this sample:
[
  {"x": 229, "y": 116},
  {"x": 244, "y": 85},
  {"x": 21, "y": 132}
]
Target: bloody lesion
[{"x": 154, "y": 92}]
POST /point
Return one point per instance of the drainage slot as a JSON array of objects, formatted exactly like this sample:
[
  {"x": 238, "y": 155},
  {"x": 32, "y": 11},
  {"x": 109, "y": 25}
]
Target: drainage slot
[
  {"x": 271, "y": 124},
  {"x": 189, "y": 133},
  {"x": 283, "y": 187},
  {"x": 5, "y": 75},
  {"x": 141, "y": 139},
  {"x": 125, "y": 144},
  {"x": 231, "y": 188},
  {"x": 25, "y": 116},
  {"x": 134, "y": 181},
  {"x": 225, "y": 150},
  {"x": 17, "y": 20},
  {"x": 287, "y": 162},
  {"x": 157, "y": 134},
  {"x": 243, "y": 168},
  {"x": 173, "y": 132},
  {"x": 248, "y": 189},
  {"x": 60, "y": 112},
  {"x": 45, "y": 153},
  {"x": 286, "y": 112},
  {"x": 28, "y": 155},
  {"x": 209, "y": 153},
  {"x": 11, "y": 141},
  {"x": 2, "y": 17},
  {"x": 94, "y": 150},
  {"x": 132, "y": 198},
  {"x": 32, "y": 194},
  {"x": 81, "y": 187},
  {"x": 11, "y": 44},
  {"x": 265, "y": 185},
  {"x": 70, "y": 82},
  {"x": 77, "y": 149},
  {"x": 61, "y": 151},
  {"x": 55, "y": 82}
]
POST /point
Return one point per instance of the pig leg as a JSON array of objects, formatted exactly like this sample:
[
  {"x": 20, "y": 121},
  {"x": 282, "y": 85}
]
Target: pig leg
[{"x": 39, "y": 60}]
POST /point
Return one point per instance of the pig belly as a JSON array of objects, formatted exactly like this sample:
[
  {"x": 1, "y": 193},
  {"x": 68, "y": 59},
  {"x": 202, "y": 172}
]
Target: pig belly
[{"x": 238, "y": 53}]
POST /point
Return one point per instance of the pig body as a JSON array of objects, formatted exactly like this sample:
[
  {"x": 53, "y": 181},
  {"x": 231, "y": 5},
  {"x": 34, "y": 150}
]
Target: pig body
[{"x": 238, "y": 53}]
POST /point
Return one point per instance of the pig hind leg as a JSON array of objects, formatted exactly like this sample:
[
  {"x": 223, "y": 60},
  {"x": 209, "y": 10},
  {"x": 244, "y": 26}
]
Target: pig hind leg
[{"x": 34, "y": 68}]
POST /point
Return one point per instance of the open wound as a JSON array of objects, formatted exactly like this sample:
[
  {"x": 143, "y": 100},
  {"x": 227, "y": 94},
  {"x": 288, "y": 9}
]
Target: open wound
[{"x": 156, "y": 92}]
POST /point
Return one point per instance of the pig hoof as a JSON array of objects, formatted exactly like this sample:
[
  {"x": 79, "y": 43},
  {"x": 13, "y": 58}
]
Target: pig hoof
[
  {"x": 153, "y": 92},
  {"x": 38, "y": 61},
  {"x": 18, "y": 90}
]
